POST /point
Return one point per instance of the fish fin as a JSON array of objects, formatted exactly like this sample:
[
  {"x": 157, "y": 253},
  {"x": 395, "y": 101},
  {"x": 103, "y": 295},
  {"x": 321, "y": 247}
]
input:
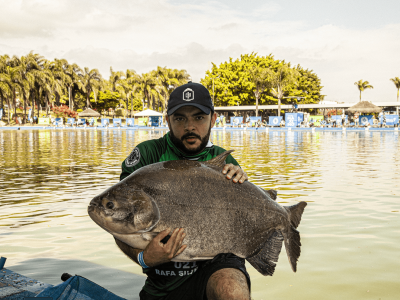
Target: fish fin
[
  {"x": 292, "y": 246},
  {"x": 219, "y": 161},
  {"x": 272, "y": 193},
  {"x": 265, "y": 260},
  {"x": 295, "y": 212}
]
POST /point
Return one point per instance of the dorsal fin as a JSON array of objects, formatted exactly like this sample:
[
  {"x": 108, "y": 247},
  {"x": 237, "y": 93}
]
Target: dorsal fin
[
  {"x": 272, "y": 193},
  {"x": 219, "y": 161}
]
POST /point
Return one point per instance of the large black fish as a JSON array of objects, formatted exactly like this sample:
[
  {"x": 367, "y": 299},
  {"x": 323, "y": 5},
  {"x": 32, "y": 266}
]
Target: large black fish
[{"x": 218, "y": 215}]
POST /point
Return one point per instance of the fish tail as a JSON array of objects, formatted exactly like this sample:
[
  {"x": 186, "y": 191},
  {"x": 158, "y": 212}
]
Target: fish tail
[{"x": 291, "y": 235}]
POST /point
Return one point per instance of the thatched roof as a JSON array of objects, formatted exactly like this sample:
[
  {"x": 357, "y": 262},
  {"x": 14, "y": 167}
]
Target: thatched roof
[
  {"x": 89, "y": 113},
  {"x": 365, "y": 107},
  {"x": 148, "y": 113}
]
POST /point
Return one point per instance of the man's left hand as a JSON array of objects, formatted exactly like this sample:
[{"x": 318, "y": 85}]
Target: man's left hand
[{"x": 234, "y": 171}]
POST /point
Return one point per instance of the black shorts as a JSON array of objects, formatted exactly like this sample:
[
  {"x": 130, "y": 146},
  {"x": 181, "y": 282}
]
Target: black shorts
[{"x": 195, "y": 287}]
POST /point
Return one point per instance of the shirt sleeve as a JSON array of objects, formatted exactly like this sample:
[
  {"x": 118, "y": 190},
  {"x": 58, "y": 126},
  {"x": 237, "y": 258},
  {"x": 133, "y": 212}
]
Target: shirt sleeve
[{"x": 144, "y": 154}]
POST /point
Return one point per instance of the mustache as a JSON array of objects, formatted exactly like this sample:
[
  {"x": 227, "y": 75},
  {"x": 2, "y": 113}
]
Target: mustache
[{"x": 190, "y": 134}]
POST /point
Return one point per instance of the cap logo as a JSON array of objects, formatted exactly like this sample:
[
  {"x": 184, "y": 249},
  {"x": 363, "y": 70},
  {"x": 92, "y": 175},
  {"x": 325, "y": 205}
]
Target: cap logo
[{"x": 188, "y": 94}]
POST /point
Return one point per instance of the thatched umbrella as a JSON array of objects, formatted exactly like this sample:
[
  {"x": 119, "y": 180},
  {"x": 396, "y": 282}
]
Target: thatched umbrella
[
  {"x": 365, "y": 107},
  {"x": 89, "y": 113}
]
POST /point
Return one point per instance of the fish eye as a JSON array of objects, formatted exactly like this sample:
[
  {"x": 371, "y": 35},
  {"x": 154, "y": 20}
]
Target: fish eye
[{"x": 110, "y": 205}]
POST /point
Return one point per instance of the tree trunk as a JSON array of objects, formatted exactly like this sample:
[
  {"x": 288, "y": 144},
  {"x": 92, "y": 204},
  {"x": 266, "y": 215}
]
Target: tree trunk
[
  {"x": 72, "y": 99},
  {"x": 256, "y": 106},
  {"x": 47, "y": 106},
  {"x": 127, "y": 107},
  {"x": 69, "y": 96},
  {"x": 360, "y": 95},
  {"x": 131, "y": 106},
  {"x": 15, "y": 105},
  {"x": 279, "y": 107},
  {"x": 8, "y": 110},
  {"x": 87, "y": 100},
  {"x": 33, "y": 106},
  {"x": 25, "y": 100}
]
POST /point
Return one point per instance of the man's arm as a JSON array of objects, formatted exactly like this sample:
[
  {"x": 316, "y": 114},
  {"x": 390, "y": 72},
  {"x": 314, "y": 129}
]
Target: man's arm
[
  {"x": 156, "y": 252},
  {"x": 129, "y": 251}
]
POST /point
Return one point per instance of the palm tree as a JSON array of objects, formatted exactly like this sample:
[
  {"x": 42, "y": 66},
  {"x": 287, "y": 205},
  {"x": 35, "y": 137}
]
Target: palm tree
[
  {"x": 4, "y": 79},
  {"x": 146, "y": 84},
  {"x": 91, "y": 82},
  {"x": 36, "y": 62},
  {"x": 116, "y": 79},
  {"x": 127, "y": 89},
  {"x": 281, "y": 80},
  {"x": 396, "y": 82},
  {"x": 260, "y": 78},
  {"x": 362, "y": 85},
  {"x": 169, "y": 79},
  {"x": 30, "y": 69},
  {"x": 14, "y": 79}
]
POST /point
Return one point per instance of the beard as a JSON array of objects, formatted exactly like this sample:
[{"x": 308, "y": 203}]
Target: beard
[{"x": 179, "y": 142}]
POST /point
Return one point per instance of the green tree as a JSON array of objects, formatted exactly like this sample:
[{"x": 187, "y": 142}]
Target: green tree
[
  {"x": 281, "y": 81},
  {"x": 231, "y": 83},
  {"x": 105, "y": 100},
  {"x": 260, "y": 77},
  {"x": 91, "y": 82},
  {"x": 362, "y": 85},
  {"x": 169, "y": 79}
]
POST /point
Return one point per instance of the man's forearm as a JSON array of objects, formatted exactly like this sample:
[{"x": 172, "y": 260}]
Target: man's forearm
[{"x": 132, "y": 253}]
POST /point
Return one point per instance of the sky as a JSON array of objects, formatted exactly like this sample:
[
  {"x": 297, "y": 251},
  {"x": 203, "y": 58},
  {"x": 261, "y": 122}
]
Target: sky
[{"x": 341, "y": 41}]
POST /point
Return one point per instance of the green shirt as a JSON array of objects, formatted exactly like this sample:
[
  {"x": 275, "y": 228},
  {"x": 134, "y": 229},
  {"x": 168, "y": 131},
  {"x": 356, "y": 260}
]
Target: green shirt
[{"x": 167, "y": 277}]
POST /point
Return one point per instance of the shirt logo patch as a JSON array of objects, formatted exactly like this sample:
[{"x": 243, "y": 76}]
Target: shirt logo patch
[
  {"x": 188, "y": 94},
  {"x": 133, "y": 158}
]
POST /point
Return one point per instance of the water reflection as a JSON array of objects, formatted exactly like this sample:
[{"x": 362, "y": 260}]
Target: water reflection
[{"x": 350, "y": 179}]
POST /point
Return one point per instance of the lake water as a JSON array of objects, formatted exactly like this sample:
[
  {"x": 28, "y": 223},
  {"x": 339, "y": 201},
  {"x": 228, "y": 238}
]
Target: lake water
[{"x": 350, "y": 229}]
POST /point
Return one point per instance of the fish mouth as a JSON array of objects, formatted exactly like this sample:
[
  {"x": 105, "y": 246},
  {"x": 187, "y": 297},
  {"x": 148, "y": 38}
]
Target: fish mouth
[{"x": 105, "y": 220}]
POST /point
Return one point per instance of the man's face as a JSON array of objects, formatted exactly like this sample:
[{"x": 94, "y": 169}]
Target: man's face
[{"x": 190, "y": 129}]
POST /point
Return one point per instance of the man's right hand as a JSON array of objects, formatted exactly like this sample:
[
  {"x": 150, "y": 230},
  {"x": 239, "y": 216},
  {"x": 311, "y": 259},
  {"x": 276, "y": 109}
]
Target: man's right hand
[{"x": 157, "y": 253}]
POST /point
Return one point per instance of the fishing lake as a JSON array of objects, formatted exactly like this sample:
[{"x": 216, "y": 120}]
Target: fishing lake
[{"x": 350, "y": 230}]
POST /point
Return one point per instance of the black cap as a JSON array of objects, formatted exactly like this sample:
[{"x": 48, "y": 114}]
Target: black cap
[{"x": 193, "y": 94}]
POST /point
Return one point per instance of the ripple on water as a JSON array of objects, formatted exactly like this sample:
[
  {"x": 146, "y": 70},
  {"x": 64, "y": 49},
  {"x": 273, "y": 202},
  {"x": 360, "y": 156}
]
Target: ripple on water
[{"x": 349, "y": 229}]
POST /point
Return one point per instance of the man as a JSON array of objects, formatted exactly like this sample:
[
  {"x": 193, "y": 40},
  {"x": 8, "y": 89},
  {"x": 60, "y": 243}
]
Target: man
[
  {"x": 190, "y": 117},
  {"x": 383, "y": 119},
  {"x": 343, "y": 119},
  {"x": 356, "y": 119}
]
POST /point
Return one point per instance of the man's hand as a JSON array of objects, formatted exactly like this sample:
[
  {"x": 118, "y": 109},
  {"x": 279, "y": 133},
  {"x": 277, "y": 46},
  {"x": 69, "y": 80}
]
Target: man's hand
[
  {"x": 234, "y": 171},
  {"x": 157, "y": 253}
]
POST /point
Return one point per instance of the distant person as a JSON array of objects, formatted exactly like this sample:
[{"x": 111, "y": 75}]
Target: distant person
[
  {"x": 343, "y": 119},
  {"x": 282, "y": 124},
  {"x": 383, "y": 119},
  {"x": 356, "y": 117}
]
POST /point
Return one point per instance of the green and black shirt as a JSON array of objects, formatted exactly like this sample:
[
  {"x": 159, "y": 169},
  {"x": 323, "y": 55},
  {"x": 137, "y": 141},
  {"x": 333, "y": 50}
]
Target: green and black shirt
[{"x": 166, "y": 277}]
